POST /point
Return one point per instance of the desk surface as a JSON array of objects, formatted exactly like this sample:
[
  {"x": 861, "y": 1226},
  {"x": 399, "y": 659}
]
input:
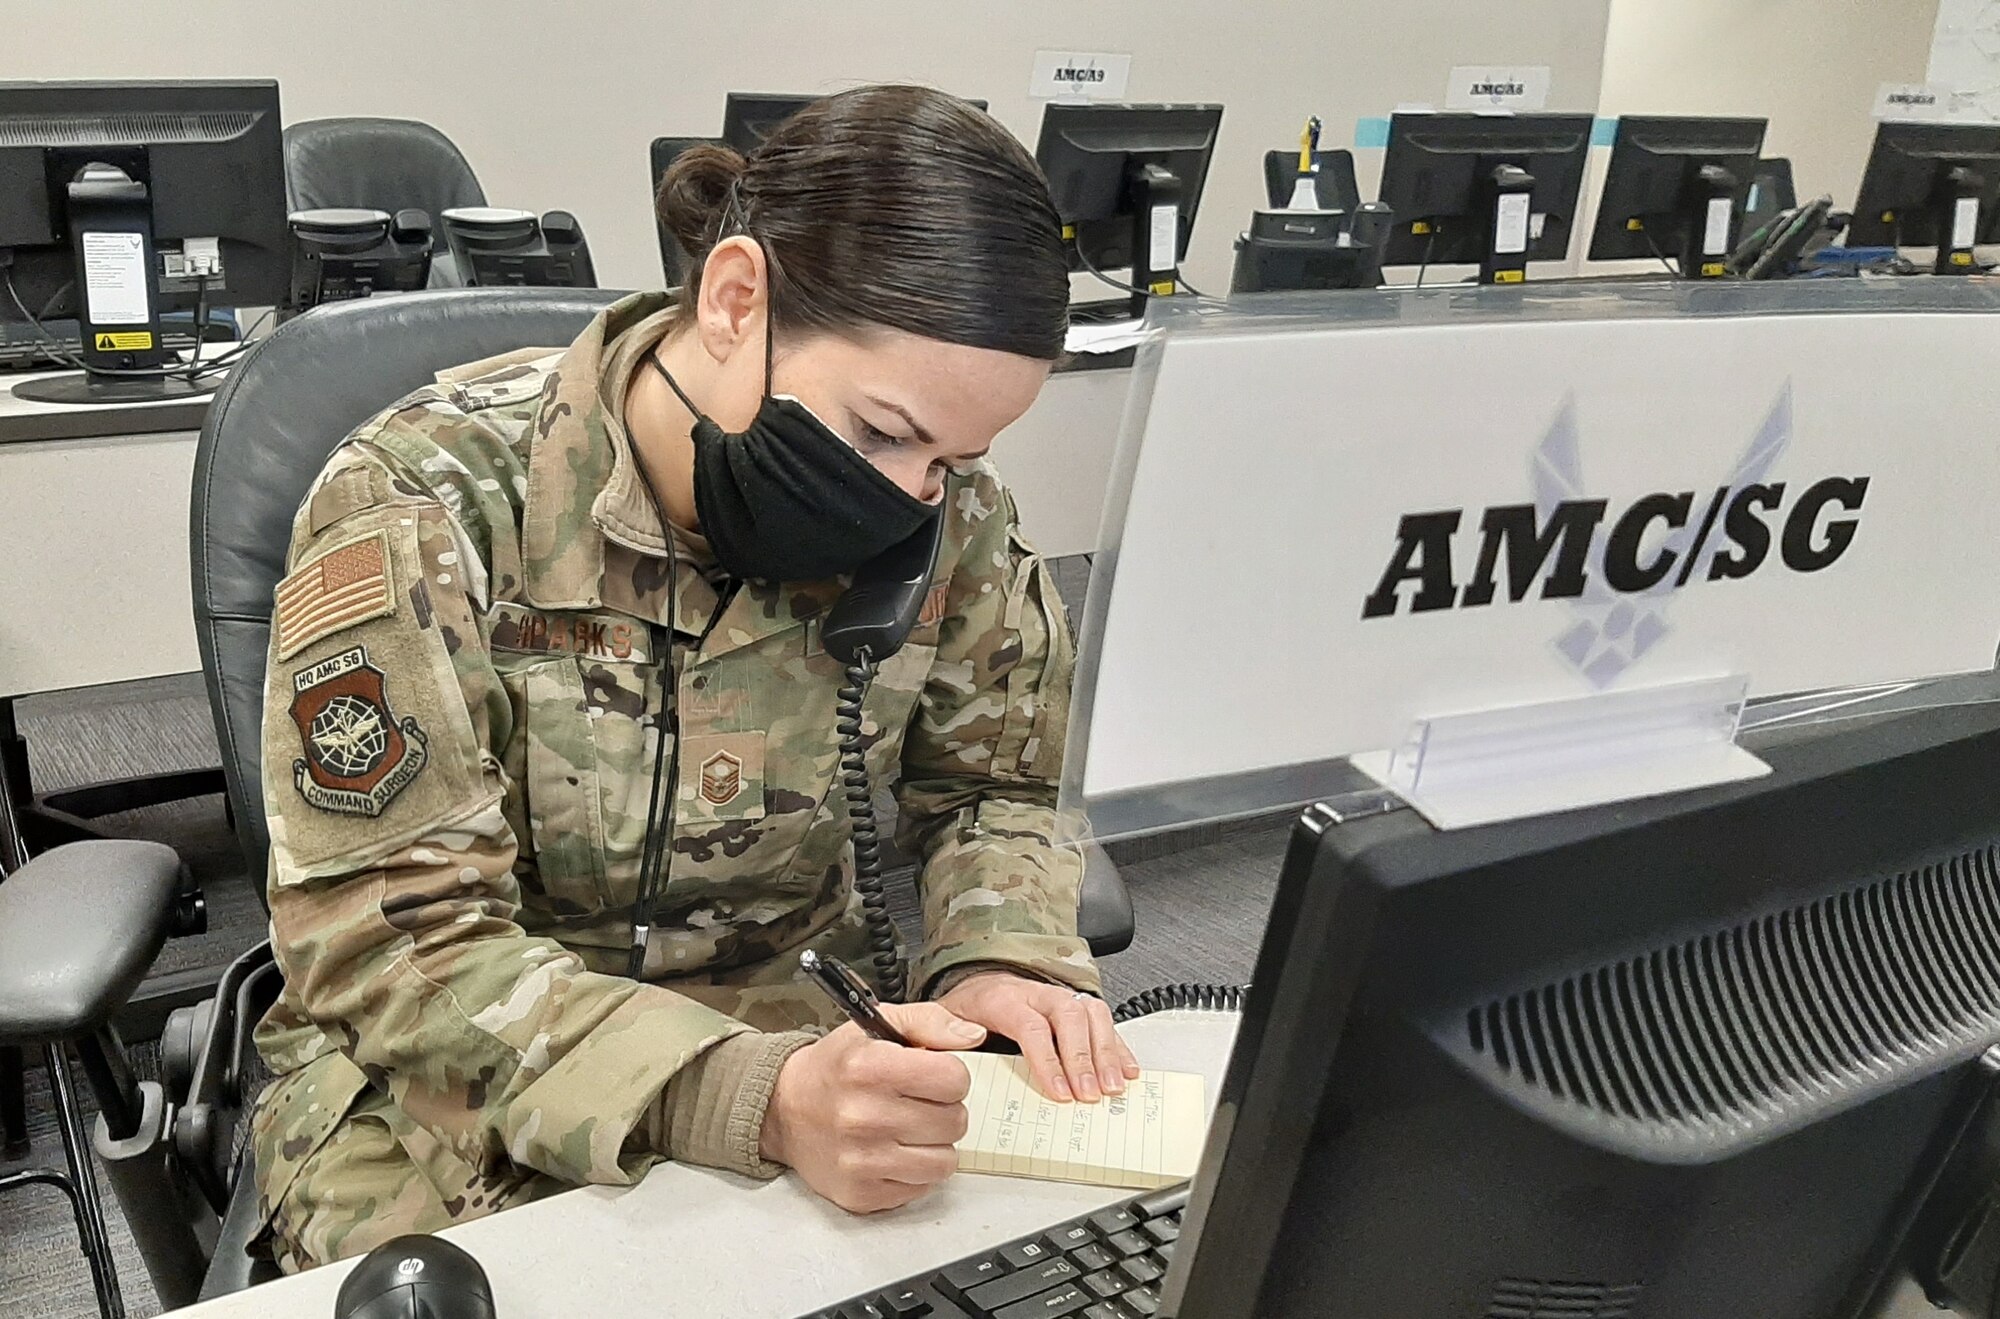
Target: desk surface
[
  {"x": 22, "y": 421},
  {"x": 701, "y": 1244}
]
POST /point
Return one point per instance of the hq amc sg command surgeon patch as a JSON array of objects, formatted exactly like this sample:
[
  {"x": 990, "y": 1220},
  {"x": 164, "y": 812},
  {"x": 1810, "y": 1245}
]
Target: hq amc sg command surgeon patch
[{"x": 358, "y": 754}]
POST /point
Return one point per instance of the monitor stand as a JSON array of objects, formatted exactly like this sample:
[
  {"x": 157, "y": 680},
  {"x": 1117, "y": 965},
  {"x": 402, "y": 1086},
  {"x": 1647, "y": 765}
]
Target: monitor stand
[{"x": 84, "y": 387}]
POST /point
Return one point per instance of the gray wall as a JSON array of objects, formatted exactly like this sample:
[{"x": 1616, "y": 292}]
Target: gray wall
[{"x": 555, "y": 103}]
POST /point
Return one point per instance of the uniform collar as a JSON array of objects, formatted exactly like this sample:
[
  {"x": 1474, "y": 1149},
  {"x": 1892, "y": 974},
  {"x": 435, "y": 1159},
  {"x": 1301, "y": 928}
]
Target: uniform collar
[{"x": 590, "y": 534}]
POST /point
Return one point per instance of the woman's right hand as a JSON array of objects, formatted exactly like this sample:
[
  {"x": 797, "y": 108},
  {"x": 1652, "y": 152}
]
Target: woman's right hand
[{"x": 871, "y": 1125}]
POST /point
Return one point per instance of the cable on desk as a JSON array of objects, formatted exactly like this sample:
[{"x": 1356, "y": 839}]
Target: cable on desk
[
  {"x": 1123, "y": 287},
  {"x": 195, "y": 369},
  {"x": 1181, "y": 998},
  {"x": 1672, "y": 269}
]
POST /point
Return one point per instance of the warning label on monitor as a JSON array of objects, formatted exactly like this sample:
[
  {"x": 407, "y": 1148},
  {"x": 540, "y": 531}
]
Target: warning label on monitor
[
  {"x": 125, "y": 341},
  {"x": 114, "y": 278}
]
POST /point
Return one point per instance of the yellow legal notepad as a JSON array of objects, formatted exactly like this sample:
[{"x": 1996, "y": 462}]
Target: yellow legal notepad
[{"x": 1149, "y": 1136}]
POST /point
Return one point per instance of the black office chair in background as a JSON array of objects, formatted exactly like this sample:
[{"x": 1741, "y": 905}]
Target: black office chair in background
[
  {"x": 1333, "y": 179},
  {"x": 268, "y": 433},
  {"x": 665, "y": 151},
  {"x": 376, "y": 165}
]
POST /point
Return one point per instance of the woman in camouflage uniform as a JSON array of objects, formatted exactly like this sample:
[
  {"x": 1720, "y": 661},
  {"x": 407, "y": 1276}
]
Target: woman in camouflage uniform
[{"x": 500, "y": 585}]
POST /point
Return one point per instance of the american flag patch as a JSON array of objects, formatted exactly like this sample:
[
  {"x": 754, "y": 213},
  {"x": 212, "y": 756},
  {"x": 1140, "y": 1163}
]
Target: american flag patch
[{"x": 348, "y": 584}]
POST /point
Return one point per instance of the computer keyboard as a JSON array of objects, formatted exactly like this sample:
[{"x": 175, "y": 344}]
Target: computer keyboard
[{"x": 1106, "y": 1265}]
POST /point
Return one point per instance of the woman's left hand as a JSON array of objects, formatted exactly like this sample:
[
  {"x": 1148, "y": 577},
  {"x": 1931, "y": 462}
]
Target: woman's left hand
[{"x": 1073, "y": 1050}]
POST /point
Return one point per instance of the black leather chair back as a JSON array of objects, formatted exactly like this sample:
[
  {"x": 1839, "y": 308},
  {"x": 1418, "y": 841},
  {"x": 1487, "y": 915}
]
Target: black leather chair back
[
  {"x": 377, "y": 164},
  {"x": 270, "y": 428},
  {"x": 666, "y": 150},
  {"x": 1334, "y": 181}
]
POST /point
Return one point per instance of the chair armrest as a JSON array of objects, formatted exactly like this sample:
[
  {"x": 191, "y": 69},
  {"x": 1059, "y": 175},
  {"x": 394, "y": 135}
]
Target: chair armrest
[
  {"x": 1104, "y": 907},
  {"x": 79, "y": 926}
]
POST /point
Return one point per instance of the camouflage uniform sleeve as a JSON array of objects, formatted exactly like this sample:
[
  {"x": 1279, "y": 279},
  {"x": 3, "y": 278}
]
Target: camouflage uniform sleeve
[
  {"x": 982, "y": 760},
  {"x": 393, "y": 890}
]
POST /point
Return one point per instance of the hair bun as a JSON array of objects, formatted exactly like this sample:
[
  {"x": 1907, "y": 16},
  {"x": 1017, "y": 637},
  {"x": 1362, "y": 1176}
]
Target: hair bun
[{"x": 693, "y": 193}]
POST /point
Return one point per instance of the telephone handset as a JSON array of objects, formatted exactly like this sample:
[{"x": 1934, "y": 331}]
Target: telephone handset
[
  {"x": 873, "y": 617},
  {"x": 867, "y": 625}
]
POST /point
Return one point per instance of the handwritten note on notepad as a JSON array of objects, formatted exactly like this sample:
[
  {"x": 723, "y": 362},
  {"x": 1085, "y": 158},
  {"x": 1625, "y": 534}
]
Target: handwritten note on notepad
[{"x": 1149, "y": 1136}]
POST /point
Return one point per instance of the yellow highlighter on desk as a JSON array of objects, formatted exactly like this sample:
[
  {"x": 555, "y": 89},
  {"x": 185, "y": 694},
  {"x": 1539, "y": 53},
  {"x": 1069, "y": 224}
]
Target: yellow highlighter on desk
[{"x": 1149, "y": 1136}]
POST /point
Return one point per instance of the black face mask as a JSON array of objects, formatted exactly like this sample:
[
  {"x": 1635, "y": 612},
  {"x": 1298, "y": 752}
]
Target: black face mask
[{"x": 789, "y": 500}]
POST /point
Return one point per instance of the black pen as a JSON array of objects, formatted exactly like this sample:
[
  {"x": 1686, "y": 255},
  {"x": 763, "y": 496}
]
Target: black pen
[{"x": 852, "y": 993}]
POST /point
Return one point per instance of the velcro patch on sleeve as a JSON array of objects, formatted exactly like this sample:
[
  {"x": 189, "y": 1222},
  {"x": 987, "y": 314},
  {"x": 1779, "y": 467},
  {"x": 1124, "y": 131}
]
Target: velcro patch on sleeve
[{"x": 346, "y": 585}]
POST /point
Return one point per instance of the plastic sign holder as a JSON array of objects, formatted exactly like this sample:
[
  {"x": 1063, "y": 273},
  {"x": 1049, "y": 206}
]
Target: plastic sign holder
[{"x": 1482, "y": 766}]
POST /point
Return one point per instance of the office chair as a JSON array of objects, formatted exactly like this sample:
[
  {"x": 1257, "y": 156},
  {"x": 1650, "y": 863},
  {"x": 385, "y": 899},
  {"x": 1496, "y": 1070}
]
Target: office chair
[
  {"x": 385, "y": 165},
  {"x": 665, "y": 151},
  {"x": 268, "y": 433},
  {"x": 1333, "y": 179}
]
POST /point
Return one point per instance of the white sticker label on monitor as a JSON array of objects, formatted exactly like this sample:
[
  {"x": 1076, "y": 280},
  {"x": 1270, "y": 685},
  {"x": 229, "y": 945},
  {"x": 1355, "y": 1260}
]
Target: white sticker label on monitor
[
  {"x": 1165, "y": 239},
  {"x": 1965, "y": 222},
  {"x": 1510, "y": 224},
  {"x": 1715, "y": 234},
  {"x": 1079, "y": 75},
  {"x": 114, "y": 278},
  {"x": 1497, "y": 87}
]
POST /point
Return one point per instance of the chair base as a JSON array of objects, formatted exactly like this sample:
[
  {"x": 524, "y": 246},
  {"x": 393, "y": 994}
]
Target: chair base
[{"x": 78, "y": 1184}]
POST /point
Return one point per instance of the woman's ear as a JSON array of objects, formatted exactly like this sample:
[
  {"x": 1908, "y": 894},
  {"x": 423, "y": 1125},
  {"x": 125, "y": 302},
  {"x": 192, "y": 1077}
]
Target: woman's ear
[{"x": 735, "y": 295}]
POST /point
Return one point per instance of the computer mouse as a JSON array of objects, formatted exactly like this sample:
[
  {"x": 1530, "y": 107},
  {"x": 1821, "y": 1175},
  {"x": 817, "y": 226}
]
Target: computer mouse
[{"x": 415, "y": 1277}]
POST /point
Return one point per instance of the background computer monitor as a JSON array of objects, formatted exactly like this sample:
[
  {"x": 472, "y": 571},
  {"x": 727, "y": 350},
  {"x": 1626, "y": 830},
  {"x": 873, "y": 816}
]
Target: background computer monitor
[
  {"x": 749, "y": 117},
  {"x": 1907, "y": 193},
  {"x": 1693, "y": 1055},
  {"x": 1113, "y": 169},
  {"x": 171, "y": 164},
  {"x": 1665, "y": 172},
  {"x": 1438, "y": 179}
]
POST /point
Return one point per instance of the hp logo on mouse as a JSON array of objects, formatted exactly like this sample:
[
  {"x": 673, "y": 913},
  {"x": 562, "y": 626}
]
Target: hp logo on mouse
[{"x": 410, "y": 1268}]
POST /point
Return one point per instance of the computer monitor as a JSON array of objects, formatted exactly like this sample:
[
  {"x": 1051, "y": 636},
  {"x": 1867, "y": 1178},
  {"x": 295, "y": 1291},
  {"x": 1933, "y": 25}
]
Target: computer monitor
[
  {"x": 1496, "y": 190},
  {"x": 1127, "y": 181},
  {"x": 1931, "y": 185},
  {"x": 1697, "y": 1055},
  {"x": 118, "y": 200},
  {"x": 749, "y": 117},
  {"x": 1675, "y": 191}
]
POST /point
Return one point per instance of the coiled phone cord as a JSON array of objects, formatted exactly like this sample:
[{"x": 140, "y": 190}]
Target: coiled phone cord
[
  {"x": 860, "y": 791},
  {"x": 1181, "y": 997}
]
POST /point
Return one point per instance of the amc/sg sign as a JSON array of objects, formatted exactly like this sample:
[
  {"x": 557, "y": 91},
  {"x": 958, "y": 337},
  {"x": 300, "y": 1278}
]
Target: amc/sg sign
[{"x": 1813, "y": 526}]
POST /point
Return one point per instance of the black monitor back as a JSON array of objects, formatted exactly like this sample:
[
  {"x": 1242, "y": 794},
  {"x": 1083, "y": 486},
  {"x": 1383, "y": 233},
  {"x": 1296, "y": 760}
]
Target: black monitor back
[
  {"x": 1690, "y": 1056},
  {"x": 210, "y": 154},
  {"x": 1431, "y": 179},
  {"x": 1904, "y": 168},
  {"x": 1654, "y": 159},
  {"x": 1091, "y": 153}
]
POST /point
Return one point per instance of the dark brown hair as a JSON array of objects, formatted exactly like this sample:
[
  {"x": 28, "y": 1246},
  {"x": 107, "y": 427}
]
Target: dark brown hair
[{"x": 886, "y": 206}]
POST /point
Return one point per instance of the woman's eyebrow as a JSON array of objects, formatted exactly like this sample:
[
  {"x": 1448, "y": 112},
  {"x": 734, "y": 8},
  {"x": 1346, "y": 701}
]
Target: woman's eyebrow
[{"x": 904, "y": 413}]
